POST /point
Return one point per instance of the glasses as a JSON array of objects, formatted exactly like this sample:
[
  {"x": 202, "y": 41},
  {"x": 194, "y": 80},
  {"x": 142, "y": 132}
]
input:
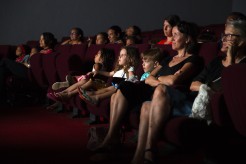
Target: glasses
[{"x": 229, "y": 36}]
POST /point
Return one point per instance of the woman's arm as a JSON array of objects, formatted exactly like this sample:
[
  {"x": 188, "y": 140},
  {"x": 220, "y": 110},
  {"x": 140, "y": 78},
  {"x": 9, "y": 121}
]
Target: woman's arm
[
  {"x": 195, "y": 85},
  {"x": 181, "y": 75}
]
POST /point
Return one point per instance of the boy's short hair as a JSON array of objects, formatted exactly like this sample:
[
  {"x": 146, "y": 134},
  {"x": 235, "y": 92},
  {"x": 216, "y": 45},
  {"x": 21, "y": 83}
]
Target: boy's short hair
[{"x": 154, "y": 54}]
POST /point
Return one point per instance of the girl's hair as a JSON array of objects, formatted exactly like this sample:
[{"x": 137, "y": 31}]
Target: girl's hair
[
  {"x": 153, "y": 54},
  {"x": 190, "y": 30},
  {"x": 49, "y": 39},
  {"x": 132, "y": 60},
  {"x": 108, "y": 58}
]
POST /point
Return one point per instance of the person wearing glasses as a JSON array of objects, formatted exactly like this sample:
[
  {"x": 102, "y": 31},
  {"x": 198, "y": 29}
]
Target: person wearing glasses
[
  {"x": 234, "y": 47},
  {"x": 76, "y": 37},
  {"x": 155, "y": 113}
]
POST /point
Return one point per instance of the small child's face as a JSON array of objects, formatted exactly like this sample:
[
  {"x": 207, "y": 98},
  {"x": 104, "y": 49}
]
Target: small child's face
[
  {"x": 129, "y": 31},
  {"x": 148, "y": 65},
  {"x": 33, "y": 51},
  {"x": 18, "y": 51},
  {"x": 98, "y": 58},
  {"x": 123, "y": 57},
  {"x": 129, "y": 42}
]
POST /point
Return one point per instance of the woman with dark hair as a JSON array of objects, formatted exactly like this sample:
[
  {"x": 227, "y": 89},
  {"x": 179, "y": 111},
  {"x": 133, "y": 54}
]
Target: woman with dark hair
[
  {"x": 115, "y": 35},
  {"x": 133, "y": 32},
  {"x": 100, "y": 38},
  {"x": 47, "y": 43},
  {"x": 76, "y": 37},
  {"x": 168, "y": 23},
  {"x": 177, "y": 70}
]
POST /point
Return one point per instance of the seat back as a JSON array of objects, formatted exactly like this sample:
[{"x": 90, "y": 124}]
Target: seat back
[
  {"x": 90, "y": 55},
  {"x": 36, "y": 71},
  {"x": 208, "y": 51},
  {"x": 49, "y": 67},
  {"x": 233, "y": 84},
  {"x": 167, "y": 49},
  {"x": 4, "y": 51}
]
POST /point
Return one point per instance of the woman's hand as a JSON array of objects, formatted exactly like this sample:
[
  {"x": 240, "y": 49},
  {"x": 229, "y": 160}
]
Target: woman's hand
[{"x": 152, "y": 81}]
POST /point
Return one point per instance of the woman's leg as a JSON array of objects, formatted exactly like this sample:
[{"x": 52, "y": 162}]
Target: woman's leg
[
  {"x": 99, "y": 95},
  {"x": 159, "y": 112},
  {"x": 142, "y": 133},
  {"x": 118, "y": 109}
]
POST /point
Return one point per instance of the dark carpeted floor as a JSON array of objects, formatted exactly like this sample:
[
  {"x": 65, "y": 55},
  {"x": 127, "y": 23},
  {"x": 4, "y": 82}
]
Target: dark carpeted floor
[{"x": 34, "y": 135}]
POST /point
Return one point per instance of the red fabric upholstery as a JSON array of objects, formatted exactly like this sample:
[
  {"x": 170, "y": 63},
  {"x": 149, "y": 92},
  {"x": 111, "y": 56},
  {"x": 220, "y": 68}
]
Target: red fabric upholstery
[
  {"x": 167, "y": 49},
  {"x": 49, "y": 66},
  {"x": 234, "y": 86},
  {"x": 90, "y": 55},
  {"x": 185, "y": 131},
  {"x": 208, "y": 51},
  {"x": 33, "y": 43},
  {"x": 36, "y": 70},
  {"x": 142, "y": 47},
  {"x": 115, "y": 47},
  {"x": 219, "y": 111},
  {"x": 4, "y": 51}
]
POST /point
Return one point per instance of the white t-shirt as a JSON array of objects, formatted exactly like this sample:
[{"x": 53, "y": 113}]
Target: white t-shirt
[{"x": 121, "y": 73}]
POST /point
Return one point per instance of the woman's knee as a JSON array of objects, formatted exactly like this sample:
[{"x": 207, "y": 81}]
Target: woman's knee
[
  {"x": 160, "y": 91},
  {"x": 145, "y": 110}
]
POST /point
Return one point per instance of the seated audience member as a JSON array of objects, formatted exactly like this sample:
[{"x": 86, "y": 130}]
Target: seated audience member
[
  {"x": 76, "y": 37},
  {"x": 133, "y": 31},
  {"x": 155, "y": 113},
  {"x": 115, "y": 35},
  {"x": 18, "y": 68},
  {"x": 47, "y": 43},
  {"x": 168, "y": 24},
  {"x": 177, "y": 70},
  {"x": 103, "y": 61},
  {"x": 130, "y": 40},
  {"x": 125, "y": 69},
  {"x": 101, "y": 38}
]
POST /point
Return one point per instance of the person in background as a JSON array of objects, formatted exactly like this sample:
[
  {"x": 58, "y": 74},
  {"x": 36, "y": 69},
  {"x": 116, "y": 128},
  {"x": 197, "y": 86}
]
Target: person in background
[
  {"x": 133, "y": 32},
  {"x": 100, "y": 39},
  {"x": 76, "y": 37},
  {"x": 17, "y": 68},
  {"x": 130, "y": 40},
  {"x": 47, "y": 42},
  {"x": 168, "y": 23},
  {"x": 115, "y": 35}
]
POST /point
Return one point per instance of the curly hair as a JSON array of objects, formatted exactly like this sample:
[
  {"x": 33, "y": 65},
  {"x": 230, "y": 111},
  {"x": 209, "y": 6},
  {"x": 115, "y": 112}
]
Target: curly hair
[
  {"x": 132, "y": 60},
  {"x": 49, "y": 39}
]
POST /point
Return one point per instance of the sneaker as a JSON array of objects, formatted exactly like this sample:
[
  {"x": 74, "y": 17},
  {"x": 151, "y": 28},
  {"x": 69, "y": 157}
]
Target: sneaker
[{"x": 70, "y": 79}]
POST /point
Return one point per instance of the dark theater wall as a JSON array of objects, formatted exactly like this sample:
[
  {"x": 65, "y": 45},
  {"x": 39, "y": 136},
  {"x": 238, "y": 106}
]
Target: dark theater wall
[{"x": 26, "y": 19}]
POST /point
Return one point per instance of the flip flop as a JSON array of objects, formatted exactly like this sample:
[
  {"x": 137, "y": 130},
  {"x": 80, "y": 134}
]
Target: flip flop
[{"x": 86, "y": 98}]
